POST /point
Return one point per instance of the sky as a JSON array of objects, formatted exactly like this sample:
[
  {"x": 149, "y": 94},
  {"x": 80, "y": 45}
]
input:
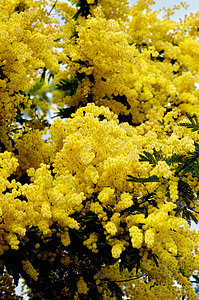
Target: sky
[{"x": 193, "y": 6}]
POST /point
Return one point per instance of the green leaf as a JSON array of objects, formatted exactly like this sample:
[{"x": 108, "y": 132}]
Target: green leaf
[
  {"x": 192, "y": 216},
  {"x": 193, "y": 122},
  {"x": 151, "y": 158},
  {"x": 196, "y": 147},
  {"x": 43, "y": 75},
  {"x": 130, "y": 259},
  {"x": 154, "y": 257},
  {"x": 69, "y": 86},
  {"x": 196, "y": 169},
  {"x": 36, "y": 87},
  {"x": 147, "y": 157},
  {"x": 176, "y": 158},
  {"x": 64, "y": 112},
  {"x": 185, "y": 191},
  {"x": 152, "y": 178}
]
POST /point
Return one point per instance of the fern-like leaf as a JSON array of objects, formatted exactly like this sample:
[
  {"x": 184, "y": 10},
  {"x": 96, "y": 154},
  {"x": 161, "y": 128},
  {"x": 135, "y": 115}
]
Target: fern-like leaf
[
  {"x": 193, "y": 122},
  {"x": 152, "y": 178},
  {"x": 151, "y": 158}
]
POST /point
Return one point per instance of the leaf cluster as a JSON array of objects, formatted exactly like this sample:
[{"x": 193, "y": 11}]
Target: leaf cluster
[
  {"x": 193, "y": 122},
  {"x": 83, "y": 8},
  {"x": 68, "y": 86}
]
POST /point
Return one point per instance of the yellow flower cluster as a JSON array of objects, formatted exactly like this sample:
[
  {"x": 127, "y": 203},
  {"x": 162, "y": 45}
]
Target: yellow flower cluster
[
  {"x": 111, "y": 228},
  {"x": 125, "y": 202},
  {"x": 30, "y": 270},
  {"x": 117, "y": 249},
  {"x": 65, "y": 260},
  {"x": 91, "y": 242},
  {"x": 40, "y": 151},
  {"x": 106, "y": 196},
  {"x": 73, "y": 186},
  {"x": 26, "y": 43},
  {"x": 149, "y": 237},
  {"x": 136, "y": 237},
  {"x": 83, "y": 156},
  {"x": 99, "y": 172},
  {"x": 135, "y": 60},
  {"x": 65, "y": 239},
  {"x": 82, "y": 286},
  {"x": 173, "y": 188},
  {"x": 8, "y": 165},
  {"x": 162, "y": 170}
]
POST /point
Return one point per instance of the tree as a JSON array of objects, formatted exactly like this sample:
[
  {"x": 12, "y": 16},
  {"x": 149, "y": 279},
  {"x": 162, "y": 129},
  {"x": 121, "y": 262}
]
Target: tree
[{"x": 102, "y": 208}]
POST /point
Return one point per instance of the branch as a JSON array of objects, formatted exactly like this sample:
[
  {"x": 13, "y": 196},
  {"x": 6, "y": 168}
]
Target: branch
[{"x": 53, "y": 7}]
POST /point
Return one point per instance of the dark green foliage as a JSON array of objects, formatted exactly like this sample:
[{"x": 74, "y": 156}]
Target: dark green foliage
[
  {"x": 186, "y": 163},
  {"x": 196, "y": 277},
  {"x": 153, "y": 178},
  {"x": 185, "y": 206},
  {"x": 189, "y": 163},
  {"x": 151, "y": 158},
  {"x": 84, "y": 8},
  {"x": 20, "y": 7},
  {"x": 46, "y": 73},
  {"x": 37, "y": 107},
  {"x": 83, "y": 262},
  {"x": 194, "y": 125},
  {"x": 128, "y": 119},
  {"x": 65, "y": 112},
  {"x": 122, "y": 99},
  {"x": 153, "y": 256},
  {"x": 130, "y": 259},
  {"x": 136, "y": 206},
  {"x": 185, "y": 192},
  {"x": 79, "y": 61},
  {"x": 43, "y": 75},
  {"x": 175, "y": 158},
  {"x": 68, "y": 86}
]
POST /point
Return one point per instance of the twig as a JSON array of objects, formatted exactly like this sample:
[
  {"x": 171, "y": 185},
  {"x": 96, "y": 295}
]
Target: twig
[
  {"x": 53, "y": 7},
  {"x": 124, "y": 280}
]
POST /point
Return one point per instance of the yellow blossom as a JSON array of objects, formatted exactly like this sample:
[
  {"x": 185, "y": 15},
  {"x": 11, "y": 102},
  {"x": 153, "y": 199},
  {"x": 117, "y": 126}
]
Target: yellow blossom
[
  {"x": 136, "y": 237},
  {"x": 111, "y": 228},
  {"x": 82, "y": 286}
]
